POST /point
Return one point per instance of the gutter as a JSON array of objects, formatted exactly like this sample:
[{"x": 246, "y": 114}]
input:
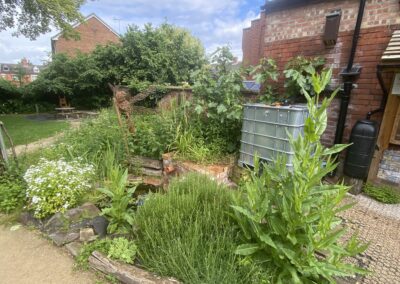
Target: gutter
[{"x": 349, "y": 75}]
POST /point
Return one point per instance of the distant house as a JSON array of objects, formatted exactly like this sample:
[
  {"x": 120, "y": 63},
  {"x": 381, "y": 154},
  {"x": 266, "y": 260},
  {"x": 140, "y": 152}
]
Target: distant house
[
  {"x": 363, "y": 57},
  {"x": 24, "y": 72},
  {"x": 93, "y": 31}
]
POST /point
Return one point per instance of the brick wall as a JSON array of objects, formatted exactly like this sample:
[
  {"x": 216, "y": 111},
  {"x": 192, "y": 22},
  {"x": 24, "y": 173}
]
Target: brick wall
[
  {"x": 299, "y": 31},
  {"x": 92, "y": 33},
  {"x": 253, "y": 43}
]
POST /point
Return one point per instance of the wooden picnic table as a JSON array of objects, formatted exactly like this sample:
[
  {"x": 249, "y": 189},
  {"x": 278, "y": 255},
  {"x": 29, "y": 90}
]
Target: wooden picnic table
[{"x": 65, "y": 111}]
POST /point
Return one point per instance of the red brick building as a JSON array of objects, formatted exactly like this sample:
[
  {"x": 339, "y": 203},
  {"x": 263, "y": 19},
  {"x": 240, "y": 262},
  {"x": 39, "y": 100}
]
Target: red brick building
[
  {"x": 287, "y": 29},
  {"x": 93, "y": 31},
  {"x": 13, "y": 73}
]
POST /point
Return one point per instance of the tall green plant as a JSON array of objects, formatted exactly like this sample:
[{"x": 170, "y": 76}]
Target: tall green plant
[
  {"x": 288, "y": 219},
  {"x": 119, "y": 212},
  {"x": 265, "y": 73}
]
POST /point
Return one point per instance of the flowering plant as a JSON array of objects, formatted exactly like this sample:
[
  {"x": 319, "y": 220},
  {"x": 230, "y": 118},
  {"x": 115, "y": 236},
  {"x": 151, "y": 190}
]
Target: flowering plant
[{"x": 55, "y": 186}]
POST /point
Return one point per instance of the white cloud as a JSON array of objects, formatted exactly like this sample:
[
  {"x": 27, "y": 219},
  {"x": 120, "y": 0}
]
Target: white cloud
[{"x": 214, "y": 22}]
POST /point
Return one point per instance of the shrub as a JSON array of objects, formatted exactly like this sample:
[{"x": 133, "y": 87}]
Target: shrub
[
  {"x": 93, "y": 138},
  {"x": 384, "y": 194},
  {"x": 153, "y": 136},
  {"x": 55, "y": 186},
  {"x": 12, "y": 192},
  {"x": 119, "y": 249},
  {"x": 288, "y": 219},
  {"x": 123, "y": 250},
  {"x": 188, "y": 234},
  {"x": 119, "y": 212}
]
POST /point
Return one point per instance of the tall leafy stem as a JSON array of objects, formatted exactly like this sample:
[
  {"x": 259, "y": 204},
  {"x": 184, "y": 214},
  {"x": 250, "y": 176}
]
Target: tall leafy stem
[{"x": 288, "y": 219}]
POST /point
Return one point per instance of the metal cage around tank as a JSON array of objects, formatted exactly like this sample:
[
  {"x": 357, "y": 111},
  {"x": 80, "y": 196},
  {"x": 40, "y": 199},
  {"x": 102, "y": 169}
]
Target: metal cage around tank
[{"x": 265, "y": 132}]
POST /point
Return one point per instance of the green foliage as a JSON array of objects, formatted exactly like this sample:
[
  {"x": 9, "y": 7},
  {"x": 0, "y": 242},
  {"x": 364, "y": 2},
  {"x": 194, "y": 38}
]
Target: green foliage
[
  {"x": 123, "y": 250},
  {"x": 217, "y": 102},
  {"x": 55, "y": 186},
  {"x": 154, "y": 134},
  {"x": 266, "y": 73},
  {"x": 12, "y": 192},
  {"x": 32, "y": 18},
  {"x": 298, "y": 73},
  {"x": 93, "y": 138},
  {"x": 162, "y": 55},
  {"x": 119, "y": 212},
  {"x": 288, "y": 219},
  {"x": 165, "y": 54},
  {"x": 79, "y": 79},
  {"x": 382, "y": 193},
  {"x": 82, "y": 260},
  {"x": 187, "y": 234},
  {"x": 119, "y": 249}
]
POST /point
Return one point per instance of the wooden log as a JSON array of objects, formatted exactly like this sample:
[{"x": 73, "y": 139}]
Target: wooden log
[
  {"x": 151, "y": 172},
  {"x": 146, "y": 162},
  {"x": 128, "y": 274}
]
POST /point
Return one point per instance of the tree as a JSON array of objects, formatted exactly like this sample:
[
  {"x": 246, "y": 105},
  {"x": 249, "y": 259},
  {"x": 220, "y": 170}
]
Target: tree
[
  {"x": 166, "y": 54},
  {"x": 32, "y": 18},
  {"x": 21, "y": 72}
]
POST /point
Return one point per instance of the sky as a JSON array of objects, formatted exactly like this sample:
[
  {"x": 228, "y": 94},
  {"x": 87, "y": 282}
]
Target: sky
[{"x": 214, "y": 22}]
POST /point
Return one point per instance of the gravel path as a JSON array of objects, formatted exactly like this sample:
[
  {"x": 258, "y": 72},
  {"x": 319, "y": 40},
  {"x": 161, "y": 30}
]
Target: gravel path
[
  {"x": 378, "y": 224},
  {"x": 27, "y": 258}
]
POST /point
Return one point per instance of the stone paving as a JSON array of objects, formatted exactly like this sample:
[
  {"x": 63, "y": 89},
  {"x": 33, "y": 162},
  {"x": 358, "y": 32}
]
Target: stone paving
[{"x": 378, "y": 224}]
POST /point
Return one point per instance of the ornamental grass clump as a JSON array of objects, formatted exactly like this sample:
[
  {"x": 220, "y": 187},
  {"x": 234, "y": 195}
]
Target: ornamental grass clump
[
  {"x": 288, "y": 218},
  {"x": 55, "y": 186}
]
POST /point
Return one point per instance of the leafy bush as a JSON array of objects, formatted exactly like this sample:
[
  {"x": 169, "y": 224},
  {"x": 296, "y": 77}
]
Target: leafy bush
[
  {"x": 153, "y": 136},
  {"x": 55, "y": 186},
  {"x": 298, "y": 73},
  {"x": 288, "y": 219},
  {"x": 384, "y": 194},
  {"x": 119, "y": 249},
  {"x": 12, "y": 192},
  {"x": 215, "y": 115},
  {"x": 188, "y": 234},
  {"x": 265, "y": 73},
  {"x": 93, "y": 138},
  {"x": 123, "y": 250},
  {"x": 118, "y": 212},
  {"x": 82, "y": 259}
]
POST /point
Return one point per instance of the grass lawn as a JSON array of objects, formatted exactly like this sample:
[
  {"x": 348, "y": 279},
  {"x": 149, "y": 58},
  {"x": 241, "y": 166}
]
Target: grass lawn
[{"x": 24, "y": 131}]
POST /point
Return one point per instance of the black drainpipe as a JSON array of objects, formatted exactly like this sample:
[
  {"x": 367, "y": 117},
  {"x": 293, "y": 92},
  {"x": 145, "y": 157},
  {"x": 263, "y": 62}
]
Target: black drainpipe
[{"x": 348, "y": 77}]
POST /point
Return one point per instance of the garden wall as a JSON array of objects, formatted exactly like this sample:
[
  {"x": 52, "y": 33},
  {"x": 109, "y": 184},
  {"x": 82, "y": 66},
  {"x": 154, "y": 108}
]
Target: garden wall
[{"x": 299, "y": 31}]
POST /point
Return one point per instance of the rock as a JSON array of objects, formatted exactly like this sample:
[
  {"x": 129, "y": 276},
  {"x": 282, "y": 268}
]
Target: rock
[
  {"x": 100, "y": 224},
  {"x": 61, "y": 239},
  {"x": 86, "y": 211},
  {"x": 57, "y": 223},
  {"x": 85, "y": 223},
  {"x": 74, "y": 248},
  {"x": 27, "y": 219},
  {"x": 86, "y": 234}
]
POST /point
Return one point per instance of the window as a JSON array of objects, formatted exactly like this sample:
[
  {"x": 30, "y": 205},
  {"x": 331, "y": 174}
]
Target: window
[
  {"x": 36, "y": 69},
  {"x": 6, "y": 68}
]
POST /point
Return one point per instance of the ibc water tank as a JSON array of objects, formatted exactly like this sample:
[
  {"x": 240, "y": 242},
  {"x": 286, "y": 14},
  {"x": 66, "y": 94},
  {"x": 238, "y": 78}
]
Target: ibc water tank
[{"x": 360, "y": 153}]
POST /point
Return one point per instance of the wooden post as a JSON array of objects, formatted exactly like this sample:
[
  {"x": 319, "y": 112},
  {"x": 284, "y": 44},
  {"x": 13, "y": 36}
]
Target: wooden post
[{"x": 121, "y": 125}]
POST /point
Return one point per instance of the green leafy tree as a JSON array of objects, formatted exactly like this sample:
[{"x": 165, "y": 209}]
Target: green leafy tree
[
  {"x": 289, "y": 218},
  {"x": 266, "y": 73},
  {"x": 298, "y": 74},
  {"x": 165, "y": 54},
  {"x": 21, "y": 72},
  {"x": 32, "y": 18},
  {"x": 218, "y": 100}
]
